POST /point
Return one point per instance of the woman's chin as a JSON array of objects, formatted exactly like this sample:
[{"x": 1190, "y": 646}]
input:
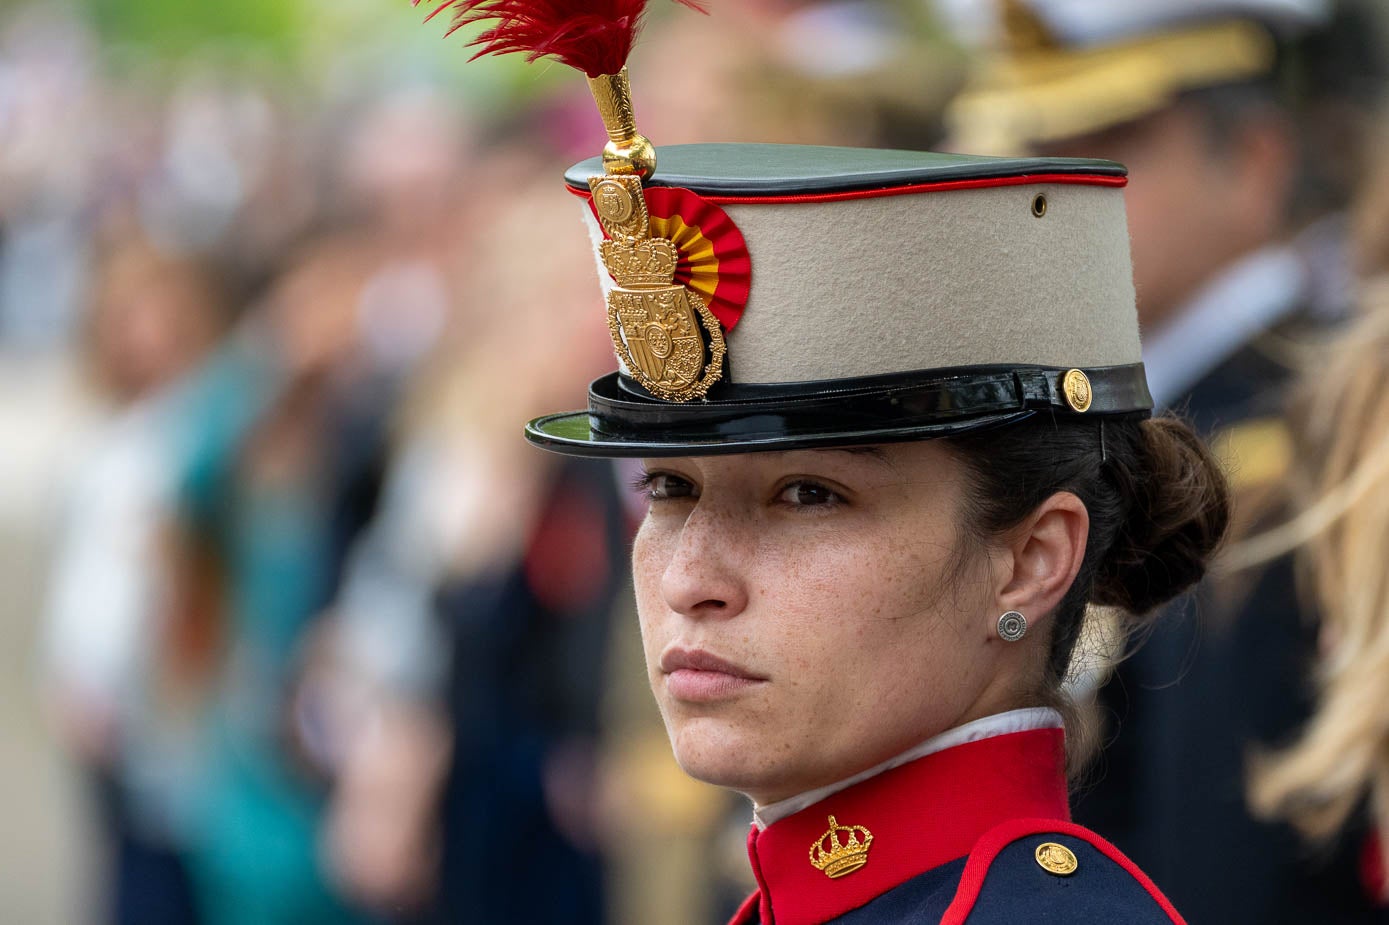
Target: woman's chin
[{"x": 713, "y": 751}]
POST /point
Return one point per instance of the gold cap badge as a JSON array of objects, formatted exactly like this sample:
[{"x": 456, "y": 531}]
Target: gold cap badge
[
  {"x": 1056, "y": 859},
  {"x": 655, "y": 323},
  {"x": 837, "y": 857}
]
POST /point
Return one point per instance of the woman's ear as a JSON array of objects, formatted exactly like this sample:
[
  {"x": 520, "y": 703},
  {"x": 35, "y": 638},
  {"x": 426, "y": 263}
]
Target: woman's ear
[{"x": 1047, "y": 551}]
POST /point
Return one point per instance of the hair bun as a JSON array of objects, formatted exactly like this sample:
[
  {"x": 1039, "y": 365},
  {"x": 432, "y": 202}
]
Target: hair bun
[{"x": 1179, "y": 515}]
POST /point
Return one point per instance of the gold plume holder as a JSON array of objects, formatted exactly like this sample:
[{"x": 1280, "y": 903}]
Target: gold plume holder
[{"x": 627, "y": 151}]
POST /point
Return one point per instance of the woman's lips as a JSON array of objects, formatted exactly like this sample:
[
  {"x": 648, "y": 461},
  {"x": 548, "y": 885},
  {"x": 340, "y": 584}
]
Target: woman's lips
[{"x": 696, "y": 676}]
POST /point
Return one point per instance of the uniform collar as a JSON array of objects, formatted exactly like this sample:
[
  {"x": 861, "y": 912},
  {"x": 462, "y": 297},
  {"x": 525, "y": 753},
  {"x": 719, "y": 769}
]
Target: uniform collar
[
  {"x": 1249, "y": 297},
  {"x": 921, "y": 814},
  {"x": 1022, "y": 720}
]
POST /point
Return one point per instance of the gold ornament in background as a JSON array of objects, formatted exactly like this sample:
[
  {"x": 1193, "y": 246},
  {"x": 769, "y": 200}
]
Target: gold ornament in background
[{"x": 655, "y": 324}]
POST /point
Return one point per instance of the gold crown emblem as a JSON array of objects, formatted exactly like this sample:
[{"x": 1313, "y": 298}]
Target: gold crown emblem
[
  {"x": 838, "y": 857},
  {"x": 649, "y": 262}
]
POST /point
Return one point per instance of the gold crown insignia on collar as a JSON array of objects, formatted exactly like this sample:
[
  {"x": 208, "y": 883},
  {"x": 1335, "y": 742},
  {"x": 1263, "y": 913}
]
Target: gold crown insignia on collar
[{"x": 836, "y": 857}]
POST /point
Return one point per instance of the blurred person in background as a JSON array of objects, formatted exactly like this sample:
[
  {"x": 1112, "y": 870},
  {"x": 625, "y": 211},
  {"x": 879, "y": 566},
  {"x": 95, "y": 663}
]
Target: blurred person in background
[
  {"x": 285, "y": 473},
  {"x": 226, "y": 521},
  {"x": 876, "y": 73},
  {"x": 277, "y": 477},
  {"x": 479, "y": 602},
  {"x": 1242, "y": 123},
  {"x": 1331, "y": 781},
  {"x": 114, "y": 669}
]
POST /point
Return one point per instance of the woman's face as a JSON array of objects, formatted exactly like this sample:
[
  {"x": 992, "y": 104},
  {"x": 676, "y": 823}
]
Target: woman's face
[{"x": 807, "y": 615}]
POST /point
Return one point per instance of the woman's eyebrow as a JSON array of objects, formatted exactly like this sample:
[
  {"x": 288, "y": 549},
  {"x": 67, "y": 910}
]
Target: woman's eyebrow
[{"x": 876, "y": 452}]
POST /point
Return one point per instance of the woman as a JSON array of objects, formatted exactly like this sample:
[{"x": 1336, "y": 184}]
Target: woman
[
  {"x": 917, "y": 448},
  {"x": 894, "y": 423}
]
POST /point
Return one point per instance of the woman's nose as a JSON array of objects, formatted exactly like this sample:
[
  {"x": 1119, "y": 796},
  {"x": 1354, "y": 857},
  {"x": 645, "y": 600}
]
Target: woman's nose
[{"x": 706, "y": 575}]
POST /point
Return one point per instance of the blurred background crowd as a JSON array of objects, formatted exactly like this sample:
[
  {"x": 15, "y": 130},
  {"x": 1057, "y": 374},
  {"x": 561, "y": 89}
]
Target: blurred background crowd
[{"x": 296, "y": 627}]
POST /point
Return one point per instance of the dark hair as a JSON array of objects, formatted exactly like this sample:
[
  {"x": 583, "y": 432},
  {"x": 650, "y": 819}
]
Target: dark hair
[{"x": 1158, "y": 505}]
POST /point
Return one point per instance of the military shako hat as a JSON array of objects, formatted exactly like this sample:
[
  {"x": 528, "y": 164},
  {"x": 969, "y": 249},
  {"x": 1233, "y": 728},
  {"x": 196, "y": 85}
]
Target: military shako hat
[
  {"x": 875, "y": 296},
  {"x": 772, "y": 297}
]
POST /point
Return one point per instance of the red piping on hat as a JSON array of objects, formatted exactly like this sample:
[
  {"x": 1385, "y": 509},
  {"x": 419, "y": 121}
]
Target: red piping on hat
[{"x": 945, "y": 186}]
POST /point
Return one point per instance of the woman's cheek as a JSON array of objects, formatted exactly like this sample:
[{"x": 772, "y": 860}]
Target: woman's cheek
[{"x": 647, "y": 565}]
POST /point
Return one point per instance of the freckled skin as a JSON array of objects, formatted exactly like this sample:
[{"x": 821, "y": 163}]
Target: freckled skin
[{"x": 869, "y": 635}]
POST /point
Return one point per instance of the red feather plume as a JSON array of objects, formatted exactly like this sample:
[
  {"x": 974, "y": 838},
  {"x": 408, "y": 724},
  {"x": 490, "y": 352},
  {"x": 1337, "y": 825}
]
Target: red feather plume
[{"x": 594, "y": 36}]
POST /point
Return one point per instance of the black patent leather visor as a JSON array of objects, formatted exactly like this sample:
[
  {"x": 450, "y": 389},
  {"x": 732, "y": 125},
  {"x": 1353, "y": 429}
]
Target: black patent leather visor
[{"x": 623, "y": 420}]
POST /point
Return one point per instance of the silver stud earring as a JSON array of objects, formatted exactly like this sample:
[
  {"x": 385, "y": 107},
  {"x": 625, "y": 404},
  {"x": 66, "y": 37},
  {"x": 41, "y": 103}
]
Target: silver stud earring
[{"x": 1012, "y": 626}]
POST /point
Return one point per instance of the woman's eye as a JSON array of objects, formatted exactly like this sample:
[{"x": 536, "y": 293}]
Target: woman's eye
[
  {"x": 808, "y": 494},
  {"x": 663, "y": 486}
]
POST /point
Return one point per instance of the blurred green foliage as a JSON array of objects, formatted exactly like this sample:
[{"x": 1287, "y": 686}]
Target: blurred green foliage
[
  {"x": 343, "y": 42},
  {"x": 175, "y": 28}
]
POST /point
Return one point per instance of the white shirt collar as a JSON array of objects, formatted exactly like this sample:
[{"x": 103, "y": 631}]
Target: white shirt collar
[
  {"x": 988, "y": 727},
  {"x": 1251, "y": 296}
]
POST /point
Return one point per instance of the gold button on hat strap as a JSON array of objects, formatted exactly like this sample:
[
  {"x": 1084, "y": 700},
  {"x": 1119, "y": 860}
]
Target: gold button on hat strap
[{"x": 1078, "y": 391}]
